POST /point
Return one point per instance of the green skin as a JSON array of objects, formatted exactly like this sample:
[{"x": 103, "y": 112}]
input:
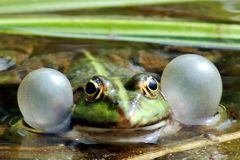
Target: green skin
[{"x": 122, "y": 104}]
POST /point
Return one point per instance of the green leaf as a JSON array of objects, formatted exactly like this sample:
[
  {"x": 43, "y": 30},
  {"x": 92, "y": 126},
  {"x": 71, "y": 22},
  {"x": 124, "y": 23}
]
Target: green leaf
[
  {"x": 26, "y": 6},
  {"x": 200, "y": 34}
]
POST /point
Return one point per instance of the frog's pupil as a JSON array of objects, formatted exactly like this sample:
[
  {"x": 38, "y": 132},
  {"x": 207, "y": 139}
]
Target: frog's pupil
[
  {"x": 152, "y": 84},
  {"x": 90, "y": 88}
]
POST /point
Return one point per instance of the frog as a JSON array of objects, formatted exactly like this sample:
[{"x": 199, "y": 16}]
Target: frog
[
  {"x": 118, "y": 104},
  {"x": 115, "y": 104}
]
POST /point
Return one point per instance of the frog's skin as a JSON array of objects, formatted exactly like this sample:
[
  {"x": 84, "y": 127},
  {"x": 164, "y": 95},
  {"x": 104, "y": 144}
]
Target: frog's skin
[{"x": 123, "y": 104}]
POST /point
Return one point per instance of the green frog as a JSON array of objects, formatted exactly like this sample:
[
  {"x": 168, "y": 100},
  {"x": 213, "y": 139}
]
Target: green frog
[
  {"x": 117, "y": 104},
  {"x": 113, "y": 103}
]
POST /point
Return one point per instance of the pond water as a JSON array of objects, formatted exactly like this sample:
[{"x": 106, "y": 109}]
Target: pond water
[{"x": 19, "y": 55}]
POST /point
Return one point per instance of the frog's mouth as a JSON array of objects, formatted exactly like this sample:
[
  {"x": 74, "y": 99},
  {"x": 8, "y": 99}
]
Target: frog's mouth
[
  {"x": 147, "y": 128},
  {"x": 124, "y": 124},
  {"x": 146, "y": 134}
]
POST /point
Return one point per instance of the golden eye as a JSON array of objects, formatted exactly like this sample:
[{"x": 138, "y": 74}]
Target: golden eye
[
  {"x": 94, "y": 89},
  {"x": 150, "y": 87},
  {"x": 147, "y": 84}
]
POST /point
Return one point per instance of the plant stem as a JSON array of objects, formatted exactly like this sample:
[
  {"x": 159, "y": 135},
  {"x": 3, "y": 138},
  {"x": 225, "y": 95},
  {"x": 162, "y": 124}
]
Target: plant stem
[{"x": 26, "y": 6}]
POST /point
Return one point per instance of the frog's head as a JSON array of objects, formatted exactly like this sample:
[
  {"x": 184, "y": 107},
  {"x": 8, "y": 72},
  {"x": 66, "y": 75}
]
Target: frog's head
[{"x": 118, "y": 103}]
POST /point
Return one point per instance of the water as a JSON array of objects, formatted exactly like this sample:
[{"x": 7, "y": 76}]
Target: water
[{"x": 25, "y": 53}]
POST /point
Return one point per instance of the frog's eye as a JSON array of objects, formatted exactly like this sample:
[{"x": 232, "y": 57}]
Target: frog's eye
[
  {"x": 147, "y": 84},
  {"x": 152, "y": 84},
  {"x": 149, "y": 87},
  {"x": 94, "y": 89}
]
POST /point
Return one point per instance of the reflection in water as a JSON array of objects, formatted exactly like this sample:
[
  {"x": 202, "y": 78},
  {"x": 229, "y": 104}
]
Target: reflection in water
[
  {"x": 5, "y": 64},
  {"x": 44, "y": 147},
  {"x": 232, "y": 6},
  {"x": 236, "y": 18}
]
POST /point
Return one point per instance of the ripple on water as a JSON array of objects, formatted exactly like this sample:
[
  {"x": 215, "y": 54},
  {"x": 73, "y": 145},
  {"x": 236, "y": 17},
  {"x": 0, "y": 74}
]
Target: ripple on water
[{"x": 232, "y": 6}]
